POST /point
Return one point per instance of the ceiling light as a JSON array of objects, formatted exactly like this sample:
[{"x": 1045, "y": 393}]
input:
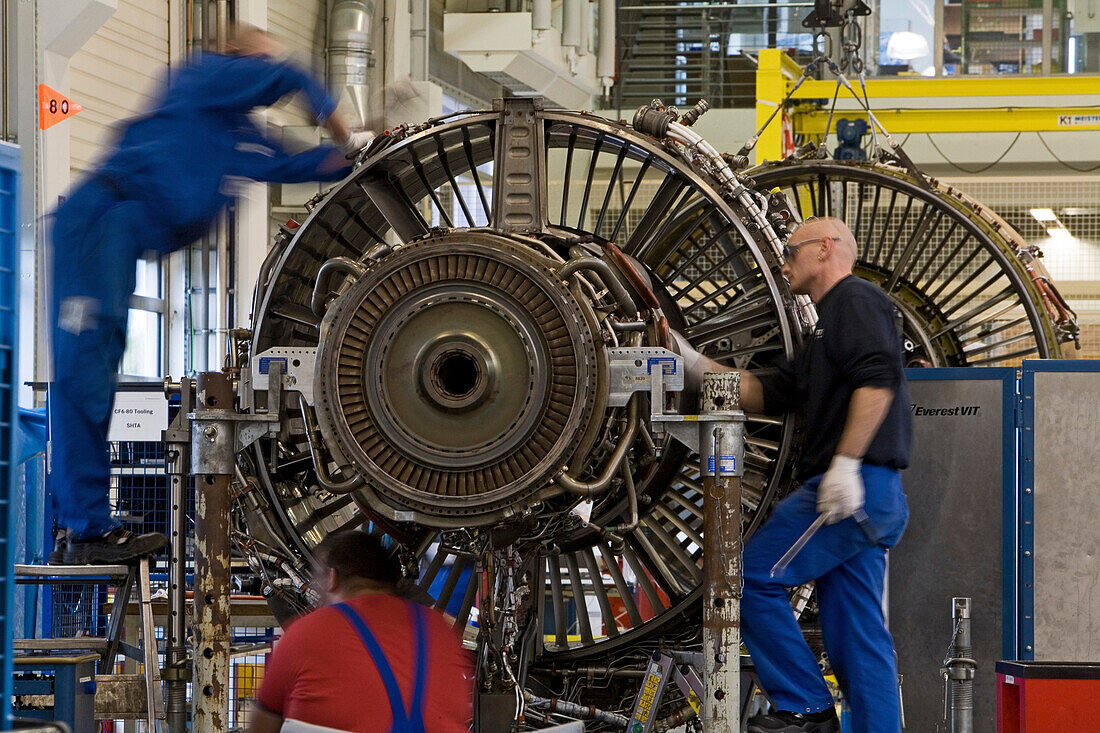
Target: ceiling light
[
  {"x": 1060, "y": 234},
  {"x": 1044, "y": 215},
  {"x": 906, "y": 45}
]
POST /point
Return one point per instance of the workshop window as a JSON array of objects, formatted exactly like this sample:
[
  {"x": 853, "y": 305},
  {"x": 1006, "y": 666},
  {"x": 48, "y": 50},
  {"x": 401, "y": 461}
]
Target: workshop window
[{"x": 145, "y": 326}]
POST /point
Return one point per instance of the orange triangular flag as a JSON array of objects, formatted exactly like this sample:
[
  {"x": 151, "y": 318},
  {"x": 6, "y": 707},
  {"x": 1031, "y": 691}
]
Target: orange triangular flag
[{"x": 53, "y": 106}]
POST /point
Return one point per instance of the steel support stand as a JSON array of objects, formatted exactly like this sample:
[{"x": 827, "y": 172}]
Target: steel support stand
[
  {"x": 717, "y": 434},
  {"x": 177, "y": 440},
  {"x": 960, "y": 669},
  {"x": 218, "y": 434},
  {"x": 721, "y": 454},
  {"x": 212, "y": 460}
]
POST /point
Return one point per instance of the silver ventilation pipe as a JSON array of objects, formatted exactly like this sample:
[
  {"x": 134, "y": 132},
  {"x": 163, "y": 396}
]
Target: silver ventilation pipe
[
  {"x": 585, "y": 14},
  {"x": 605, "y": 48},
  {"x": 418, "y": 41},
  {"x": 349, "y": 55},
  {"x": 540, "y": 16},
  {"x": 571, "y": 31},
  {"x": 571, "y": 24}
]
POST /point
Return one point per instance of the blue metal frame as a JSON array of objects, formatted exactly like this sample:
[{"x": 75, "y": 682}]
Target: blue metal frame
[
  {"x": 9, "y": 410},
  {"x": 1026, "y": 548},
  {"x": 1010, "y": 403}
]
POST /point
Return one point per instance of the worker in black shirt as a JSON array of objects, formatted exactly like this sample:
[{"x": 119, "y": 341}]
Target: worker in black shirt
[{"x": 849, "y": 382}]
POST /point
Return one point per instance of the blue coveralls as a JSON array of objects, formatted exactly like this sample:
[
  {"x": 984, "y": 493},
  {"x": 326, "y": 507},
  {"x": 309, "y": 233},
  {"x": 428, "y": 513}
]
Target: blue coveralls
[
  {"x": 159, "y": 189},
  {"x": 848, "y": 561}
]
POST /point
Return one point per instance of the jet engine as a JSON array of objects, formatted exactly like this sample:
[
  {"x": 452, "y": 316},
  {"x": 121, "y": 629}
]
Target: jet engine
[{"x": 445, "y": 333}]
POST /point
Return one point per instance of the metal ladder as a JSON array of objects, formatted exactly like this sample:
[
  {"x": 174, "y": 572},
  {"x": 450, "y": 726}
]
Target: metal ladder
[{"x": 124, "y": 578}]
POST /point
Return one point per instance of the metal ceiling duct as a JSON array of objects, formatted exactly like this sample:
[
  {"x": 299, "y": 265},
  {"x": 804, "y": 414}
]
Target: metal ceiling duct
[{"x": 349, "y": 55}]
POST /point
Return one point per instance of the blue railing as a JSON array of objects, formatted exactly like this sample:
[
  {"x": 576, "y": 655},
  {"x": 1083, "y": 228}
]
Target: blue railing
[{"x": 9, "y": 366}]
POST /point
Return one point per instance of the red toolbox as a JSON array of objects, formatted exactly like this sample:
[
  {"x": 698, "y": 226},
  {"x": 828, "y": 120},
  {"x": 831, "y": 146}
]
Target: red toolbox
[{"x": 1048, "y": 697}]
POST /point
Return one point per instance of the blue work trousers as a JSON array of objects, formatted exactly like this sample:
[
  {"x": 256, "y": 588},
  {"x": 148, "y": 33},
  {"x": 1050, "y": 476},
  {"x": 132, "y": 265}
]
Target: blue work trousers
[
  {"x": 97, "y": 239},
  {"x": 848, "y": 561}
]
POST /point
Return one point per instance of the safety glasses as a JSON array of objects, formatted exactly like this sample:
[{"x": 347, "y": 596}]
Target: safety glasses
[{"x": 789, "y": 249}]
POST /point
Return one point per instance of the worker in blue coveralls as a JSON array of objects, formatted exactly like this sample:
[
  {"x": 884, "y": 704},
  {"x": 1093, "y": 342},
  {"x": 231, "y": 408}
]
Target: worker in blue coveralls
[
  {"x": 848, "y": 379},
  {"x": 159, "y": 188}
]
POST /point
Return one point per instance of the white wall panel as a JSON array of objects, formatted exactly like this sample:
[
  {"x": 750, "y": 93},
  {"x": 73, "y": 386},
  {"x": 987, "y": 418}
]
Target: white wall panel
[
  {"x": 115, "y": 74},
  {"x": 300, "y": 26}
]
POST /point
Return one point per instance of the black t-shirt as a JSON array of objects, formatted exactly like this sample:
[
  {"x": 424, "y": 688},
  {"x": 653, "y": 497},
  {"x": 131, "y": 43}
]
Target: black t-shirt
[{"x": 857, "y": 343}]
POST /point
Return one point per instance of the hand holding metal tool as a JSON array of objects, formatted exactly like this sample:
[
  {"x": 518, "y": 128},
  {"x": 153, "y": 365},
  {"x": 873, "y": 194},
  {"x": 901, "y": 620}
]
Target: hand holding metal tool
[
  {"x": 861, "y": 518},
  {"x": 841, "y": 494}
]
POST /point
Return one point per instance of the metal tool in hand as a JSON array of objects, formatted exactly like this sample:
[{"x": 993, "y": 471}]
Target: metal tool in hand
[
  {"x": 784, "y": 561},
  {"x": 860, "y": 515}
]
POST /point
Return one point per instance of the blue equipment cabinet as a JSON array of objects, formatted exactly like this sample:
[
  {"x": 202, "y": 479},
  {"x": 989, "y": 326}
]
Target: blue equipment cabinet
[{"x": 9, "y": 367}]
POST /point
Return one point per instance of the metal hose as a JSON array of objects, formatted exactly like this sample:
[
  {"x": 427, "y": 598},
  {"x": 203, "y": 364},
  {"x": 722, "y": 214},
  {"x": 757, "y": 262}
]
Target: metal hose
[
  {"x": 632, "y": 496},
  {"x": 323, "y": 477},
  {"x": 324, "y": 277},
  {"x": 591, "y": 488},
  {"x": 573, "y": 710},
  {"x": 607, "y": 275}
]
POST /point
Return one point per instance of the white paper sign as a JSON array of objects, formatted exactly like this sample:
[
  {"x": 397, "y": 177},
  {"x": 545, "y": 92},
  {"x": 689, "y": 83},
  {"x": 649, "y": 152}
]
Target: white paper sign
[{"x": 138, "y": 416}]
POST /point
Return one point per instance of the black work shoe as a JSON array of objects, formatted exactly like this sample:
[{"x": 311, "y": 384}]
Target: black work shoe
[
  {"x": 119, "y": 546},
  {"x": 60, "y": 545},
  {"x": 780, "y": 721}
]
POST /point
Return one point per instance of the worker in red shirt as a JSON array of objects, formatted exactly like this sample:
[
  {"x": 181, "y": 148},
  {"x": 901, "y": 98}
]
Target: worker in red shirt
[{"x": 369, "y": 662}]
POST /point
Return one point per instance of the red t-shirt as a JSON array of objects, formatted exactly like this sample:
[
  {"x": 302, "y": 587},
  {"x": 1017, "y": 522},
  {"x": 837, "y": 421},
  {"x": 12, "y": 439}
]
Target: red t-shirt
[{"x": 320, "y": 672}]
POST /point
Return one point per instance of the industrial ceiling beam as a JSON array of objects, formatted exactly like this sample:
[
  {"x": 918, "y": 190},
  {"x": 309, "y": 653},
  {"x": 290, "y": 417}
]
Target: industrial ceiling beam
[{"x": 777, "y": 73}]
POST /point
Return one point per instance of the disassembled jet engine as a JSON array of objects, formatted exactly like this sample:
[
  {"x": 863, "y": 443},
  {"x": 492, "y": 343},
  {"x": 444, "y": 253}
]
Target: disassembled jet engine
[{"x": 445, "y": 323}]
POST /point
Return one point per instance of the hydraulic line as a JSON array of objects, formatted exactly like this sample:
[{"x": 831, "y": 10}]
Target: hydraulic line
[
  {"x": 591, "y": 488},
  {"x": 611, "y": 282},
  {"x": 327, "y": 482},
  {"x": 573, "y": 710}
]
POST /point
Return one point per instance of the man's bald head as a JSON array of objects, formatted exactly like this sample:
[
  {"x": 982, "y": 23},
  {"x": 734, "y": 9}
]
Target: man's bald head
[
  {"x": 821, "y": 253},
  {"x": 844, "y": 241}
]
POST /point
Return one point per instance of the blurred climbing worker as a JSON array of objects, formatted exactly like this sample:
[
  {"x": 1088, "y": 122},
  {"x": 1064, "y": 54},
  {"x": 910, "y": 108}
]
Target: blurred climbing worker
[
  {"x": 160, "y": 187},
  {"x": 849, "y": 382},
  {"x": 370, "y": 662}
]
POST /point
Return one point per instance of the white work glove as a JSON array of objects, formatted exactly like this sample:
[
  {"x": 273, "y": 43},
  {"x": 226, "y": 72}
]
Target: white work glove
[
  {"x": 840, "y": 493},
  {"x": 357, "y": 141}
]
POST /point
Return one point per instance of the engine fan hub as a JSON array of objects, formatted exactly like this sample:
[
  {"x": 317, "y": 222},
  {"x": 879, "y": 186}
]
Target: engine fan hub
[
  {"x": 458, "y": 374},
  {"x": 463, "y": 373}
]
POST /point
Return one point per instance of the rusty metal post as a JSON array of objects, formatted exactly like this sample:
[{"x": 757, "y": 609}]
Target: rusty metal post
[
  {"x": 213, "y": 456},
  {"x": 721, "y": 454},
  {"x": 177, "y": 443}
]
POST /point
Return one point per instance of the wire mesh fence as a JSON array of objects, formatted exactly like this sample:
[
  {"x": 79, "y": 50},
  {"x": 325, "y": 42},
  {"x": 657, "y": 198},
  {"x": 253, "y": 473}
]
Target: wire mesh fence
[{"x": 246, "y": 671}]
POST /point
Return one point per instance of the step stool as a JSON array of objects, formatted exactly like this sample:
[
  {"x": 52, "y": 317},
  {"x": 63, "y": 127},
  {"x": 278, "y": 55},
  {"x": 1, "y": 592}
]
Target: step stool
[
  {"x": 70, "y": 689},
  {"x": 124, "y": 578}
]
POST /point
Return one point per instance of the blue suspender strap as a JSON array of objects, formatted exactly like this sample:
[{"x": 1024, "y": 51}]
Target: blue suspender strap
[
  {"x": 416, "y": 711},
  {"x": 397, "y": 704}
]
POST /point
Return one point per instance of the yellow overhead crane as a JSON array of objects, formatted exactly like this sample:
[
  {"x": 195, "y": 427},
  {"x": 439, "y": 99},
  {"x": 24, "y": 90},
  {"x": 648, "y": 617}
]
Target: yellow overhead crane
[{"x": 777, "y": 73}]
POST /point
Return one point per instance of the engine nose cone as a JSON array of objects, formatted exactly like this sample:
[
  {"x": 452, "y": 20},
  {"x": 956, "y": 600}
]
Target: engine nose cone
[
  {"x": 464, "y": 373},
  {"x": 458, "y": 375}
]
